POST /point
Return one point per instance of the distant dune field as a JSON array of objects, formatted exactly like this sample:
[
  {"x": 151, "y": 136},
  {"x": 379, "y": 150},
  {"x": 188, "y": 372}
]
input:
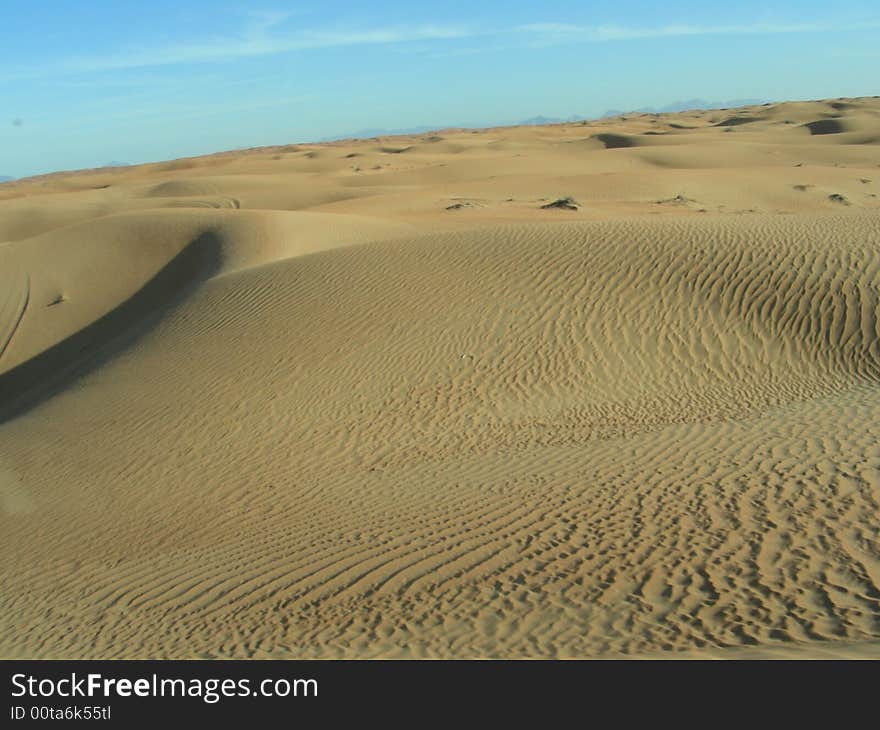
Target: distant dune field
[{"x": 597, "y": 389}]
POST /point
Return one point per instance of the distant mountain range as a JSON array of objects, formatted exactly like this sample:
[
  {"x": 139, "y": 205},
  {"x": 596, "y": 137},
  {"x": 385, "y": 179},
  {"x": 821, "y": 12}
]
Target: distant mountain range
[
  {"x": 685, "y": 105},
  {"x": 675, "y": 106},
  {"x": 377, "y": 132},
  {"x": 535, "y": 121},
  {"x": 381, "y": 132},
  {"x": 6, "y": 178}
]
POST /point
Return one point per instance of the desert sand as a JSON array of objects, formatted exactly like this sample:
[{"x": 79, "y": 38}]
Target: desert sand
[{"x": 373, "y": 398}]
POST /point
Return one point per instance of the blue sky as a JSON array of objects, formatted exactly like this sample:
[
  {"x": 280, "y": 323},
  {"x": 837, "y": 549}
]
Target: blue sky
[{"x": 85, "y": 83}]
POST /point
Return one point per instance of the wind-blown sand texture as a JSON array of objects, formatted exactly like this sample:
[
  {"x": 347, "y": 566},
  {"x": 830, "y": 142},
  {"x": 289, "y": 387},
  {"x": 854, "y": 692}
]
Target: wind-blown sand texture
[{"x": 371, "y": 399}]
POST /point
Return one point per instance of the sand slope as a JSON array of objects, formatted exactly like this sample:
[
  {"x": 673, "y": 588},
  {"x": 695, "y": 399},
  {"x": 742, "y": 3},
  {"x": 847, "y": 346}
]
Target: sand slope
[{"x": 381, "y": 427}]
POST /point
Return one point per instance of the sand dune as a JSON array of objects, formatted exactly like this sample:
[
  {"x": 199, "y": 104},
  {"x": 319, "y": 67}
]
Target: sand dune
[{"x": 372, "y": 399}]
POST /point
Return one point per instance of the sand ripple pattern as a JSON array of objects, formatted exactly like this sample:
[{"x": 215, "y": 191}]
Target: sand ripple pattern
[{"x": 552, "y": 440}]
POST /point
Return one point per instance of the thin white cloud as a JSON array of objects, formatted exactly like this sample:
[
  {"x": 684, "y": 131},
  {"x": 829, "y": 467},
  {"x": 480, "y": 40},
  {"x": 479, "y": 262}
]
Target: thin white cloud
[
  {"x": 258, "y": 42},
  {"x": 263, "y": 34},
  {"x": 266, "y": 34}
]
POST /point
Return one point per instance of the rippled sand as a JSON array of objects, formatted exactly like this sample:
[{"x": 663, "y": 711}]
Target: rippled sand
[{"x": 370, "y": 399}]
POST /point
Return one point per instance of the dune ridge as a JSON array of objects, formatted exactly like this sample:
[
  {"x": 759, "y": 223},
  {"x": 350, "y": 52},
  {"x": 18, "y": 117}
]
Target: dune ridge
[{"x": 378, "y": 427}]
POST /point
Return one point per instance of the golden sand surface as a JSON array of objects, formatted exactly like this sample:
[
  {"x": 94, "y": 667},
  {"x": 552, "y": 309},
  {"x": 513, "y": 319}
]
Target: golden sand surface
[{"x": 373, "y": 398}]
